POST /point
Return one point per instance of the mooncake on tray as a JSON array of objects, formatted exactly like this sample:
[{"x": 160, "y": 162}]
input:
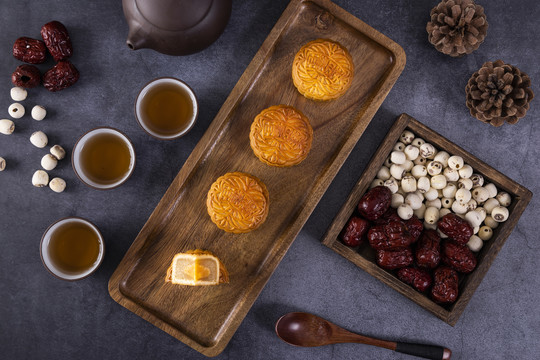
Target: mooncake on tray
[
  {"x": 281, "y": 136},
  {"x": 322, "y": 70},
  {"x": 238, "y": 202}
]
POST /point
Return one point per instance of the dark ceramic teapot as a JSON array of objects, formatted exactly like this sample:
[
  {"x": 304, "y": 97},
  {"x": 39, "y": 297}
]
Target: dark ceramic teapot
[{"x": 175, "y": 27}]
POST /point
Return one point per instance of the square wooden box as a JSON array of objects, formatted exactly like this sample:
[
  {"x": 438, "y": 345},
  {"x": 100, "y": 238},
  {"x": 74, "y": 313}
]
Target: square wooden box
[{"x": 364, "y": 257}]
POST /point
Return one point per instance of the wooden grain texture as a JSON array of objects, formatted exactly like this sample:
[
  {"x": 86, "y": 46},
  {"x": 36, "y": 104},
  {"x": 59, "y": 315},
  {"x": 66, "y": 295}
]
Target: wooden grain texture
[
  {"x": 205, "y": 318},
  {"x": 364, "y": 257}
]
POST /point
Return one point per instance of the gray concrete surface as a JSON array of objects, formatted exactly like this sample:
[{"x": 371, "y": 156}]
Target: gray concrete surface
[{"x": 42, "y": 317}]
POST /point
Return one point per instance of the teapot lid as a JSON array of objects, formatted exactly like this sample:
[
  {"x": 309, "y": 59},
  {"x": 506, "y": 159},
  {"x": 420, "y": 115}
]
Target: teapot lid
[{"x": 174, "y": 15}]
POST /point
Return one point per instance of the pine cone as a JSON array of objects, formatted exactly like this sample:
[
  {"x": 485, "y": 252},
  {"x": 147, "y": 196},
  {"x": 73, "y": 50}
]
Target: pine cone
[
  {"x": 457, "y": 27},
  {"x": 499, "y": 92}
]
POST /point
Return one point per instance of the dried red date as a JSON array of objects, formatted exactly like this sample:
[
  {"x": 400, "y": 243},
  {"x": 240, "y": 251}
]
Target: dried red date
[
  {"x": 459, "y": 257},
  {"x": 414, "y": 227},
  {"x": 61, "y": 76},
  {"x": 26, "y": 76},
  {"x": 418, "y": 278},
  {"x": 391, "y": 260},
  {"x": 391, "y": 236},
  {"x": 390, "y": 215},
  {"x": 428, "y": 250},
  {"x": 445, "y": 285},
  {"x": 354, "y": 232},
  {"x": 375, "y": 202},
  {"x": 56, "y": 37},
  {"x": 29, "y": 50},
  {"x": 455, "y": 228}
]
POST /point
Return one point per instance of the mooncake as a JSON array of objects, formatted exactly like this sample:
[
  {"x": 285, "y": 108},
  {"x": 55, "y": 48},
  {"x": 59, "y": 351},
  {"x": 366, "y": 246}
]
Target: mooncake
[
  {"x": 238, "y": 202},
  {"x": 196, "y": 268},
  {"x": 322, "y": 70},
  {"x": 281, "y": 136}
]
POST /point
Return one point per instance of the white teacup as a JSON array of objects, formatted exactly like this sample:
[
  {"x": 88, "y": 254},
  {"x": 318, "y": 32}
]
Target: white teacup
[
  {"x": 46, "y": 256},
  {"x": 141, "y": 119},
  {"x": 76, "y": 158}
]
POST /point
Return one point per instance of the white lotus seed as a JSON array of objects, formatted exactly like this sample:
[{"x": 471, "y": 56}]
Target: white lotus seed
[
  {"x": 387, "y": 162},
  {"x": 420, "y": 161},
  {"x": 490, "y": 204},
  {"x": 414, "y": 201},
  {"x": 504, "y": 198},
  {"x": 463, "y": 195},
  {"x": 405, "y": 212},
  {"x": 451, "y": 174},
  {"x": 7, "y": 126},
  {"x": 38, "y": 113},
  {"x": 57, "y": 185},
  {"x": 475, "y": 230},
  {"x": 459, "y": 208},
  {"x": 444, "y": 211},
  {"x": 449, "y": 191},
  {"x": 398, "y": 157},
  {"x": 482, "y": 212},
  {"x": 419, "y": 213},
  {"x": 399, "y": 146},
  {"x": 447, "y": 202},
  {"x": 492, "y": 189},
  {"x": 375, "y": 183},
  {"x": 423, "y": 184},
  {"x": 480, "y": 194},
  {"x": 419, "y": 171},
  {"x": 408, "y": 184},
  {"x": 431, "y": 216},
  {"x": 434, "y": 203},
  {"x": 490, "y": 222},
  {"x": 473, "y": 218},
  {"x": 2, "y": 164},
  {"x": 18, "y": 93},
  {"x": 48, "y": 162},
  {"x": 39, "y": 139},
  {"x": 397, "y": 171},
  {"x": 408, "y": 165},
  {"x": 477, "y": 179},
  {"x": 397, "y": 199},
  {"x": 16, "y": 110},
  {"x": 406, "y": 137},
  {"x": 455, "y": 162},
  {"x": 58, "y": 152},
  {"x": 434, "y": 168},
  {"x": 392, "y": 184},
  {"x": 411, "y": 152},
  {"x": 465, "y": 183},
  {"x": 427, "y": 151},
  {"x": 442, "y": 157},
  {"x": 383, "y": 173},
  {"x": 438, "y": 182},
  {"x": 40, "y": 178},
  {"x": 472, "y": 204},
  {"x": 418, "y": 142},
  {"x": 499, "y": 213},
  {"x": 475, "y": 243},
  {"x": 431, "y": 194},
  {"x": 465, "y": 172},
  {"x": 485, "y": 233}
]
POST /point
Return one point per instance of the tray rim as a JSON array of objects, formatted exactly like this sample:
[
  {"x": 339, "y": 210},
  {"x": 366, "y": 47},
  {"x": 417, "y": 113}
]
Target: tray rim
[
  {"x": 521, "y": 195},
  {"x": 242, "y": 86}
]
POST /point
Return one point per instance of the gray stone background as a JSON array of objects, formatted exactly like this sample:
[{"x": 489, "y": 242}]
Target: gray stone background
[{"x": 42, "y": 317}]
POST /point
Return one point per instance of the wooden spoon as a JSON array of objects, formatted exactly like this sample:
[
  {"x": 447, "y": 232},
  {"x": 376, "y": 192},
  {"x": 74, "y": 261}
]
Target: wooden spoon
[{"x": 303, "y": 329}]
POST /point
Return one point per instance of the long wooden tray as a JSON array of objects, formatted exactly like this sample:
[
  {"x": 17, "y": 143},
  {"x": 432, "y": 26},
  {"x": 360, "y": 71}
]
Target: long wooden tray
[{"x": 206, "y": 318}]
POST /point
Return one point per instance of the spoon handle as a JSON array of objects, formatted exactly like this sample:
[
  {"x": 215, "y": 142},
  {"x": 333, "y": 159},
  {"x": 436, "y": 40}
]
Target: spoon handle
[{"x": 426, "y": 351}]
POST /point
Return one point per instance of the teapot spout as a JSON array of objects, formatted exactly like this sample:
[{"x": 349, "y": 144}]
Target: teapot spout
[{"x": 137, "y": 38}]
